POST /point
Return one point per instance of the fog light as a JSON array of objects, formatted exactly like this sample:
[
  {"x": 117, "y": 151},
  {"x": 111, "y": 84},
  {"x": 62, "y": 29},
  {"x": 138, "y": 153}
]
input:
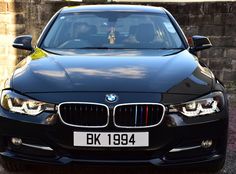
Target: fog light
[
  {"x": 16, "y": 141},
  {"x": 206, "y": 143}
]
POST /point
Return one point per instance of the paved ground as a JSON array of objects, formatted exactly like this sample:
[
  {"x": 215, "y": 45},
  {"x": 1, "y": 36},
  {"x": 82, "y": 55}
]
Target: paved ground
[{"x": 229, "y": 168}]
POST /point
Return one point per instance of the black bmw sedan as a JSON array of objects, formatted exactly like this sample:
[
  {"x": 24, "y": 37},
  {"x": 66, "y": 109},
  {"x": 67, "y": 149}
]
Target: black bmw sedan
[{"x": 113, "y": 84}]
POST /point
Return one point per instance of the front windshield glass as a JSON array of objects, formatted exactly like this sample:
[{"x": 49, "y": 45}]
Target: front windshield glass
[{"x": 112, "y": 30}]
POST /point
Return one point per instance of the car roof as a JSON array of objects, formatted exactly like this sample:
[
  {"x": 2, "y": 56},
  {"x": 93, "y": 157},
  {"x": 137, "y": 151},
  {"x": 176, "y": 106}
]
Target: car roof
[{"x": 105, "y": 7}]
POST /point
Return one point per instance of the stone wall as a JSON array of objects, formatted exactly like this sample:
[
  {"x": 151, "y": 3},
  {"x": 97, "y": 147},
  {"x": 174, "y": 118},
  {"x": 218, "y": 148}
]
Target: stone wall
[
  {"x": 7, "y": 34},
  {"x": 214, "y": 19}
]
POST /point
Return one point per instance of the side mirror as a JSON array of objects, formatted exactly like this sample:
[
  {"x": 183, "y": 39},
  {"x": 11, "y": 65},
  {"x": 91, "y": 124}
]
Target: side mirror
[
  {"x": 200, "y": 43},
  {"x": 23, "y": 42}
]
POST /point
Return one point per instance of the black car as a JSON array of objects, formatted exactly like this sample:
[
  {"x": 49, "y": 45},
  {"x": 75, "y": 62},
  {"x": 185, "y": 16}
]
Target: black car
[{"x": 113, "y": 84}]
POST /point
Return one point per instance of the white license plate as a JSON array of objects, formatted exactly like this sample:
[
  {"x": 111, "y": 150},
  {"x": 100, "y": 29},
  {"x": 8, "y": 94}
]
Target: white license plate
[{"x": 111, "y": 139}]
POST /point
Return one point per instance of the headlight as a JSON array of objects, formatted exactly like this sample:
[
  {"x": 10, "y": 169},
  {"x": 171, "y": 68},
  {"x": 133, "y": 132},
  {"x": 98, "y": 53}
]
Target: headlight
[
  {"x": 208, "y": 104},
  {"x": 14, "y": 102}
]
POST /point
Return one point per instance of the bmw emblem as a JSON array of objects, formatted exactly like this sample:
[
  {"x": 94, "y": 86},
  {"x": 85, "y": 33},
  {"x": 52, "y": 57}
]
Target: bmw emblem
[{"x": 111, "y": 98}]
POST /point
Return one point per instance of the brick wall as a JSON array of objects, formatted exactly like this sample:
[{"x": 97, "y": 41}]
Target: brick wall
[{"x": 214, "y": 19}]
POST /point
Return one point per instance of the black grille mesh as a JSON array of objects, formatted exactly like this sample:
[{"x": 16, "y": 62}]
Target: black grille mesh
[
  {"x": 84, "y": 114},
  {"x": 138, "y": 115}
]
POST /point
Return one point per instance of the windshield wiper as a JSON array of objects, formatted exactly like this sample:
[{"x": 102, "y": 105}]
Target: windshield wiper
[
  {"x": 131, "y": 48},
  {"x": 170, "y": 48},
  {"x": 52, "y": 52},
  {"x": 177, "y": 50},
  {"x": 100, "y": 48}
]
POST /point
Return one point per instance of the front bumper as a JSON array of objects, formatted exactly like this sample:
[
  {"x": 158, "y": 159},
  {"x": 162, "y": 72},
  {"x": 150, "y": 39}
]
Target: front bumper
[{"x": 175, "y": 142}]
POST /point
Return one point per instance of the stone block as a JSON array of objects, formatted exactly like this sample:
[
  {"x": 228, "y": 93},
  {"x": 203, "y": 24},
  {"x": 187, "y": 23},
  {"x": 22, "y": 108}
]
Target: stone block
[
  {"x": 214, "y": 52},
  {"x": 12, "y": 18},
  {"x": 16, "y": 6},
  {"x": 20, "y": 18},
  {"x": 201, "y": 19},
  {"x": 54, "y": 7},
  {"x": 230, "y": 19},
  {"x": 190, "y": 30},
  {"x": 3, "y": 29},
  {"x": 231, "y": 52},
  {"x": 219, "y": 18},
  {"x": 180, "y": 8},
  {"x": 233, "y": 41},
  {"x": 3, "y": 6},
  {"x": 211, "y": 30},
  {"x": 193, "y": 8},
  {"x": 16, "y": 29},
  {"x": 234, "y": 65},
  {"x": 46, "y": 16},
  {"x": 229, "y": 76},
  {"x": 3, "y": 51},
  {"x": 4, "y": 17},
  {"x": 219, "y": 7},
  {"x": 233, "y": 6},
  {"x": 221, "y": 63},
  {"x": 222, "y": 41},
  {"x": 11, "y": 50},
  {"x": 183, "y": 19},
  {"x": 230, "y": 30}
]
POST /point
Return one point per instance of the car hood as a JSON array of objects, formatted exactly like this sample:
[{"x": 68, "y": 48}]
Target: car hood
[{"x": 164, "y": 71}]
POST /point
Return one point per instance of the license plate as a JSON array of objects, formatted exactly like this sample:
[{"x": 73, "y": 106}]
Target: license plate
[{"x": 111, "y": 139}]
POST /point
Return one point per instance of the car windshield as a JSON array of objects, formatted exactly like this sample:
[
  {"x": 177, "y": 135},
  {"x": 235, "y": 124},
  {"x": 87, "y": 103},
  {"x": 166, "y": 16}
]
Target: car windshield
[{"x": 112, "y": 30}]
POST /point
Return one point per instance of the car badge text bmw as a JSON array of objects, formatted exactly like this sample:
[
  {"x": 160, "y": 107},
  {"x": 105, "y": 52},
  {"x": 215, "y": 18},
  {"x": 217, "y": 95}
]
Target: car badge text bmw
[{"x": 111, "y": 98}]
